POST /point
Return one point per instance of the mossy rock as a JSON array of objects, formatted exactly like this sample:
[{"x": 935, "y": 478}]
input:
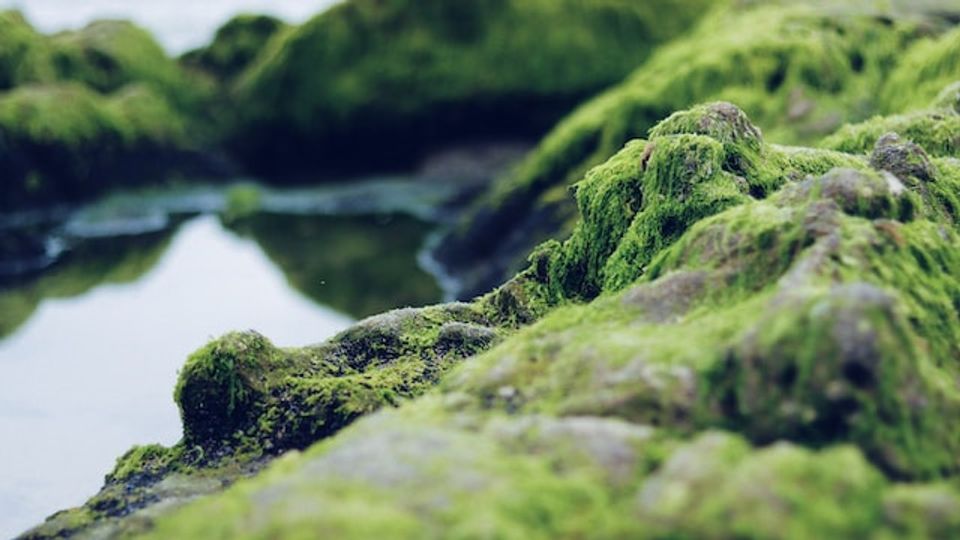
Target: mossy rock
[
  {"x": 380, "y": 82},
  {"x": 24, "y": 53},
  {"x": 935, "y": 128},
  {"x": 799, "y": 69},
  {"x": 430, "y": 473},
  {"x": 778, "y": 364},
  {"x": 109, "y": 54},
  {"x": 235, "y": 46},
  {"x": 55, "y": 153}
]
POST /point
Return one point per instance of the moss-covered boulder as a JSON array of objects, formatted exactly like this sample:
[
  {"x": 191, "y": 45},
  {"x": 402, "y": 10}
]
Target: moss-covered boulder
[
  {"x": 799, "y": 69},
  {"x": 93, "y": 109},
  {"x": 235, "y": 46},
  {"x": 24, "y": 53},
  {"x": 376, "y": 83},
  {"x": 63, "y": 141},
  {"x": 108, "y": 55}
]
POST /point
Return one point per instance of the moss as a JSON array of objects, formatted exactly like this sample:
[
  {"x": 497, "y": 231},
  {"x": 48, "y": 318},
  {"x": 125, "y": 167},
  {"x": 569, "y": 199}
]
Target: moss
[
  {"x": 858, "y": 312},
  {"x": 235, "y": 46},
  {"x": 242, "y": 392},
  {"x": 799, "y": 71},
  {"x": 935, "y": 129},
  {"x": 54, "y": 152},
  {"x": 807, "y": 305},
  {"x": 243, "y": 201},
  {"x": 926, "y": 68},
  {"x": 24, "y": 53},
  {"x": 108, "y": 55},
  {"x": 144, "y": 463},
  {"x": 382, "y": 81},
  {"x": 696, "y": 164},
  {"x": 430, "y": 474}
]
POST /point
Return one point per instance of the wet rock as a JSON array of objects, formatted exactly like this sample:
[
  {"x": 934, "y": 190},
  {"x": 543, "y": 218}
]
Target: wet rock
[{"x": 904, "y": 159}]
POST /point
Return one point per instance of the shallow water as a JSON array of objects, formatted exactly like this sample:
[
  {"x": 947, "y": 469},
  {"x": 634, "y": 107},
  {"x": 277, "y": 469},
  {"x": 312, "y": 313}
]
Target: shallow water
[
  {"x": 94, "y": 342},
  {"x": 179, "y": 25}
]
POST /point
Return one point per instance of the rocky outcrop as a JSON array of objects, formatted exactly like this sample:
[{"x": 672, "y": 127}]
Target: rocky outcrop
[
  {"x": 801, "y": 69},
  {"x": 739, "y": 340}
]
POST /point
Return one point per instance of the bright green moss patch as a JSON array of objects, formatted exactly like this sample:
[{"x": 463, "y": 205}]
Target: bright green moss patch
[
  {"x": 241, "y": 390},
  {"x": 107, "y": 55},
  {"x": 923, "y": 72}
]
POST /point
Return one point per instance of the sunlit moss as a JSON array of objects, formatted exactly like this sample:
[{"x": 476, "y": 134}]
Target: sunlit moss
[{"x": 24, "y": 53}]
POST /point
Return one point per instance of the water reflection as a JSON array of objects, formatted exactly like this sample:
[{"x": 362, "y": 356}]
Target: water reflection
[
  {"x": 99, "y": 313},
  {"x": 358, "y": 265},
  {"x": 91, "y": 263}
]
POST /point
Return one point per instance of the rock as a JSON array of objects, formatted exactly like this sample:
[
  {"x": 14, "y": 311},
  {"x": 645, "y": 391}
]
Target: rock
[{"x": 904, "y": 159}]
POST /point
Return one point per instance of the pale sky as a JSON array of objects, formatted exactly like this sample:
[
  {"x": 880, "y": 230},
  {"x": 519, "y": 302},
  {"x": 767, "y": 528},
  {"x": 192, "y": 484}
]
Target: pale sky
[{"x": 179, "y": 25}]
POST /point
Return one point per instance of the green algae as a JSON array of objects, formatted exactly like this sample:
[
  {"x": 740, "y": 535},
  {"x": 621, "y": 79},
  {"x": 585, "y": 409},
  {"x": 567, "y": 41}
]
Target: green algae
[
  {"x": 55, "y": 153},
  {"x": 434, "y": 474},
  {"x": 934, "y": 128}
]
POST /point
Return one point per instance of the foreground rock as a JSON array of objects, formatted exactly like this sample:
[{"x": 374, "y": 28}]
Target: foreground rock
[{"x": 739, "y": 340}]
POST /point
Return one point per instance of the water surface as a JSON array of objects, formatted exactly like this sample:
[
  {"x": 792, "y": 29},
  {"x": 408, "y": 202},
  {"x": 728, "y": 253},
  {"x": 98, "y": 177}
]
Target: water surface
[{"x": 90, "y": 346}]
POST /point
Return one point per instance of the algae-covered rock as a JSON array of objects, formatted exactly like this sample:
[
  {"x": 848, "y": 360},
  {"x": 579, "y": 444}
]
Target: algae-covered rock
[
  {"x": 799, "y": 69},
  {"x": 244, "y": 401},
  {"x": 434, "y": 474},
  {"x": 110, "y": 54},
  {"x": 380, "y": 82}
]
